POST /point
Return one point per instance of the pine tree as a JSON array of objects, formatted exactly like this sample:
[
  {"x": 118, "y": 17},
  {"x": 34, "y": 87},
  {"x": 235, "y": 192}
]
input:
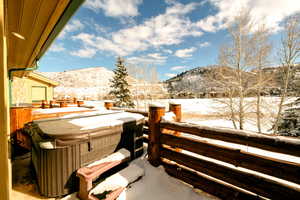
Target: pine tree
[{"x": 120, "y": 86}]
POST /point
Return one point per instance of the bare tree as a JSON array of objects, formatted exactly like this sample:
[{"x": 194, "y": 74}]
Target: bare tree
[
  {"x": 262, "y": 51},
  {"x": 238, "y": 55},
  {"x": 289, "y": 52},
  {"x": 221, "y": 78}
]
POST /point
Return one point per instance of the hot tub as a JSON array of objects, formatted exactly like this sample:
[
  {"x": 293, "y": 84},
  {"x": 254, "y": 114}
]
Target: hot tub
[{"x": 62, "y": 145}]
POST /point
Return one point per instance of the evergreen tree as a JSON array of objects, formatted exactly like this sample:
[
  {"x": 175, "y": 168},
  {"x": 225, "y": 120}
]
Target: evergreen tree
[{"x": 120, "y": 86}]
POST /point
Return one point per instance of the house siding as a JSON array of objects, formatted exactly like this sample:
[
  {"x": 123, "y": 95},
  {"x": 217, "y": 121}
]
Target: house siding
[{"x": 22, "y": 90}]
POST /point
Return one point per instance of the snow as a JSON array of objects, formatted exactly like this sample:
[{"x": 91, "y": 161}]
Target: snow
[
  {"x": 80, "y": 125},
  {"x": 157, "y": 184},
  {"x": 169, "y": 116},
  {"x": 156, "y": 104},
  {"x": 120, "y": 179},
  {"x": 212, "y": 112},
  {"x": 245, "y": 148},
  {"x": 224, "y": 123}
]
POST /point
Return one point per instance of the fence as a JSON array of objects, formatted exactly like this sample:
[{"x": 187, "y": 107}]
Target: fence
[{"x": 222, "y": 170}]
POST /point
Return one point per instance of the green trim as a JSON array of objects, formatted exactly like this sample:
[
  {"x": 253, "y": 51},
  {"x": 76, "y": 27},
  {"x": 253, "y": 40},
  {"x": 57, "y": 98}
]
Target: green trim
[
  {"x": 67, "y": 14},
  {"x": 10, "y": 78}
]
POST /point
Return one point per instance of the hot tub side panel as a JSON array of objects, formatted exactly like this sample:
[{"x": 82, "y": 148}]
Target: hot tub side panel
[
  {"x": 131, "y": 138},
  {"x": 56, "y": 168}
]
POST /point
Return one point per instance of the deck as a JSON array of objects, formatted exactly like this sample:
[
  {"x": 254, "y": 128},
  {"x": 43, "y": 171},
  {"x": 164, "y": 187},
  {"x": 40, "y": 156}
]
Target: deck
[{"x": 156, "y": 184}]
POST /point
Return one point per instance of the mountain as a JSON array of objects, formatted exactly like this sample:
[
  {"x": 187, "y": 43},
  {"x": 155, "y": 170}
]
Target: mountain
[
  {"x": 92, "y": 83},
  {"x": 199, "y": 82},
  {"x": 195, "y": 82}
]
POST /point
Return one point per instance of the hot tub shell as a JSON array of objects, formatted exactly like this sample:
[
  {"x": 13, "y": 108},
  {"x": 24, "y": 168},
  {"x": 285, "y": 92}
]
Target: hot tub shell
[{"x": 57, "y": 152}]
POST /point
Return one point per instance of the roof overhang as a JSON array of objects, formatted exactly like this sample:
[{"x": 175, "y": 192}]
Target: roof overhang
[
  {"x": 32, "y": 25},
  {"x": 41, "y": 78}
]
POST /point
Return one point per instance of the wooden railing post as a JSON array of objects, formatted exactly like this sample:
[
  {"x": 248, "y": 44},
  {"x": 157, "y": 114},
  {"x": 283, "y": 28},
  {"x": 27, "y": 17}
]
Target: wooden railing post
[
  {"x": 62, "y": 104},
  {"x": 108, "y": 104},
  {"x": 44, "y": 102},
  {"x": 155, "y": 114},
  {"x": 80, "y": 103},
  {"x": 176, "y": 109},
  {"x": 51, "y": 104}
]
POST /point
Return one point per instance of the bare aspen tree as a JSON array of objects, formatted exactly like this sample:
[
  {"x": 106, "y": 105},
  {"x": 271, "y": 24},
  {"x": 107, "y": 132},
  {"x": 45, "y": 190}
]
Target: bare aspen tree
[
  {"x": 262, "y": 50},
  {"x": 221, "y": 77},
  {"x": 133, "y": 72},
  {"x": 289, "y": 53},
  {"x": 238, "y": 55}
]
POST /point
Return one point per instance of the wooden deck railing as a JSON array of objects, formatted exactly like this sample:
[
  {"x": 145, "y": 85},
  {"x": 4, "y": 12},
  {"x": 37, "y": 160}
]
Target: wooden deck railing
[
  {"x": 58, "y": 103},
  {"x": 222, "y": 170},
  {"x": 206, "y": 158}
]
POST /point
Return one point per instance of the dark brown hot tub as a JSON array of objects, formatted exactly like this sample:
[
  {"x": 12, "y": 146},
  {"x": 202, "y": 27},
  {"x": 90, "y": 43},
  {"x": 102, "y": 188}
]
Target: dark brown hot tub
[{"x": 62, "y": 145}]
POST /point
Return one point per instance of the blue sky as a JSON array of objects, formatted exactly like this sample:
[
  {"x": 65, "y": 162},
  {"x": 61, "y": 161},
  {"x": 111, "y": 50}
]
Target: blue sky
[{"x": 173, "y": 35}]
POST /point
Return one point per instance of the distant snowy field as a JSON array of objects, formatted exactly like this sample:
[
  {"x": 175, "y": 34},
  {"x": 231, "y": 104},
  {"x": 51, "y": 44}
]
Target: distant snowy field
[{"x": 212, "y": 112}]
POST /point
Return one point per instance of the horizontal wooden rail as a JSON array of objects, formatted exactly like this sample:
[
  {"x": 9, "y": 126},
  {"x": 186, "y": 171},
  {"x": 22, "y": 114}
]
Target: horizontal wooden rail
[
  {"x": 248, "y": 181},
  {"x": 37, "y": 116},
  {"x": 271, "y": 166},
  {"x": 222, "y": 191},
  {"x": 273, "y": 143},
  {"x": 144, "y": 113}
]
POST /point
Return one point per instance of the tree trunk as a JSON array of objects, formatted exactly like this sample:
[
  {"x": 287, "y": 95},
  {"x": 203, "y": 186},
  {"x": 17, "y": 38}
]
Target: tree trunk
[{"x": 283, "y": 96}]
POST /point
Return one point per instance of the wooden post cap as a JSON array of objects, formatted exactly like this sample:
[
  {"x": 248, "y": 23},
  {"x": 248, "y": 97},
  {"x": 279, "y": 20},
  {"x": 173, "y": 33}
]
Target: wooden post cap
[
  {"x": 175, "y": 107},
  {"x": 108, "y": 104}
]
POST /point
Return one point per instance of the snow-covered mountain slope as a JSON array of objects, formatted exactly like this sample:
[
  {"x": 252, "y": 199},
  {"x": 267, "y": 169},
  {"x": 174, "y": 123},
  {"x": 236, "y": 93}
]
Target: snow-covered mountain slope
[{"x": 93, "y": 83}]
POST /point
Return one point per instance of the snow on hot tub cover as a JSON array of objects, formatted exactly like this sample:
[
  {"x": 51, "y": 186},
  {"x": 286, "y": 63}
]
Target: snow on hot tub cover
[{"x": 84, "y": 125}]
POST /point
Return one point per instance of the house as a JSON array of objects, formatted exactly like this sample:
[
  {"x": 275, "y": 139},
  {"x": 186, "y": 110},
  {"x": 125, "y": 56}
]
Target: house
[
  {"x": 27, "y": 29},
  {"x": 32, "y": 88}
]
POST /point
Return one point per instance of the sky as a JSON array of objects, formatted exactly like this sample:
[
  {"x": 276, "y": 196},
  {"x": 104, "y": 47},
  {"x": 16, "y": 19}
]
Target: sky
[{"x": 173, "y": 35}]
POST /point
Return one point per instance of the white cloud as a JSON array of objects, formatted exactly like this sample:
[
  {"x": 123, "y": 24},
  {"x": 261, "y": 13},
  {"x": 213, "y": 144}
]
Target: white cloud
[
  {"x": 99, "y": 43},
  {"x": 166, "y": 29},
  {"x": 84, "y": 53},
  {"x": 204, "y": 44},
  {"x": 154, "y": 58},
  {"x": 157, "y": 56},
  {"x": 178, "y": 68},
  {"x": 182, "y": 9},
  {"x": 115, "y": 8},
  {"x": 170, "y": 75},
  {"x": 74, "y": 25},
  {"x": 269, "y": 12},
  {"x": 184, "y": 53},
  {"x": 57, "y": 48}
]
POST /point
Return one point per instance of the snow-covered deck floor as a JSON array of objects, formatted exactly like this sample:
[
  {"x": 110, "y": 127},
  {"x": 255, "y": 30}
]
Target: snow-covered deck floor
[{"x": 158, "y": 185}]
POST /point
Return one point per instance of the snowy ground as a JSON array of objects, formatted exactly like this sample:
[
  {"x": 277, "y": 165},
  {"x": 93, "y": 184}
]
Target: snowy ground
[
  {"x": 157, "y": 184},
  {"x": 212, "y": 112}
]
